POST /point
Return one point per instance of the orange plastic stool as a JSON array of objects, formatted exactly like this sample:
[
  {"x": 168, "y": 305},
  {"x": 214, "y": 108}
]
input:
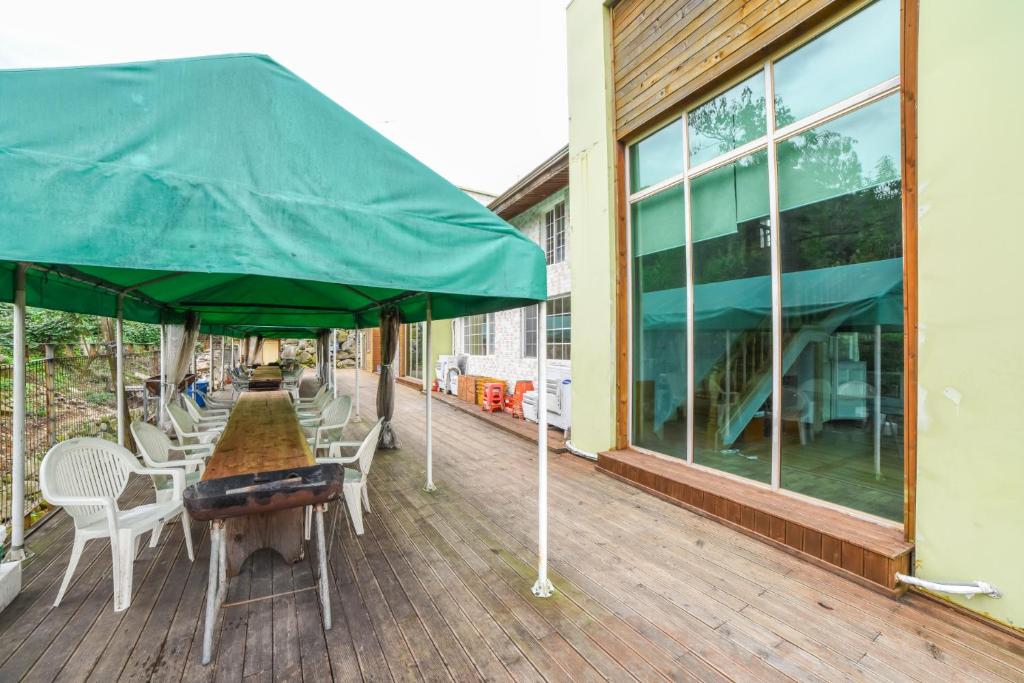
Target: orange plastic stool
[
  {"x": 522, "y": 386},
  {"x": 494, "y": 397}
]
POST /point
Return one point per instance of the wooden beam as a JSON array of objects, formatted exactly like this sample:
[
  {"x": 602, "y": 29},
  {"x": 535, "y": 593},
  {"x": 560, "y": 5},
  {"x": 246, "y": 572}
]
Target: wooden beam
[
  {"x": 622, "y": 321},
  {"x": 909, "y": 14}
]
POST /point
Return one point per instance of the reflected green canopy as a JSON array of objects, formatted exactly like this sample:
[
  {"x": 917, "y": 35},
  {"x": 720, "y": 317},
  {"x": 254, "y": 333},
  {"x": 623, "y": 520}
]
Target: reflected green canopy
[
  {"x": 871, "y": 293},
  {"x": 230, "y": 187}
]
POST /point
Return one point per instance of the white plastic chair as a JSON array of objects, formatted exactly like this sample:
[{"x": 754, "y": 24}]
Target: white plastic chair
[
  {"x": 354, "y": 489},
  {"x": 320, "y": 394},
  {"x": 156, "y": 449},
  {"x": 314, "y": 409},
  {"x": 330, "y": 425},
  {"x": 204, "y": 416},
  {"x": 186, "y": 429},
  {"x": 86, "y": 476}
]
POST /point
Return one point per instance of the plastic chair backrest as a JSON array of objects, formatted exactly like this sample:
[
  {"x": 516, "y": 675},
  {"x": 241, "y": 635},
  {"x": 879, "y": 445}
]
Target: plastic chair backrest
[
  {"x": 368, "y": 448},
  {"x": 154, "y": 446},
  {"x": 338, "y": 411},
  {"x": 181, "y": 421},
  {"x": 193, "y": 408},
  {"x": 85, "y": 466}
]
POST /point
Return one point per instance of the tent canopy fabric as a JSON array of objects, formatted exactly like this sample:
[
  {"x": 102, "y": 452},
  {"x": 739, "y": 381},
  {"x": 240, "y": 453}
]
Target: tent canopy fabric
[{"x": 230, "y": 187}]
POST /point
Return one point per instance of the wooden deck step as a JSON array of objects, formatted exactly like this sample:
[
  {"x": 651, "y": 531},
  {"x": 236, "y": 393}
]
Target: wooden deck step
[{"x": 868, "y": 552}]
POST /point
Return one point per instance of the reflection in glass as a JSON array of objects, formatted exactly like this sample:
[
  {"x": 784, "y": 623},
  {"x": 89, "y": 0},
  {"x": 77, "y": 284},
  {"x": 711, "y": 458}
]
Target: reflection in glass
[
  {"x": 734, "y": 118},
  {"x": 732, "y": 301},
  {"x": 857, "y": 54},
  {"x": 842, "y": 299},
  {"x": 657, "y": 157},
  {"x": 659, "y": 323}
]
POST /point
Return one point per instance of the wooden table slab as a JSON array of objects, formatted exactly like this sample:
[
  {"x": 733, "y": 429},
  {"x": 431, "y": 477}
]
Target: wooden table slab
[
  {"x": 263, "y": 434},
  {"x": 266, "y": 378}
]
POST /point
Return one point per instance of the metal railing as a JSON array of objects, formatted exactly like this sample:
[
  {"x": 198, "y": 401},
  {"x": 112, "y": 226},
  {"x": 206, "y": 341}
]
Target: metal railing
[{"x": 65, "y": 397}]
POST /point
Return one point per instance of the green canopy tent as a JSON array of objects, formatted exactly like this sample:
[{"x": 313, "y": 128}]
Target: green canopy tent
[{"x": 230, "y": 189}]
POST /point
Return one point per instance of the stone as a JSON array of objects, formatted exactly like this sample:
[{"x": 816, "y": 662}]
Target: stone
[{"x": 305, "y": 357}]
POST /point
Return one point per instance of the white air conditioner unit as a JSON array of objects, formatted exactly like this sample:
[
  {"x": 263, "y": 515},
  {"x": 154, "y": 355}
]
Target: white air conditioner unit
[
  {"x": 559, "y": 403},
  {"x": 447, "y": 371}
]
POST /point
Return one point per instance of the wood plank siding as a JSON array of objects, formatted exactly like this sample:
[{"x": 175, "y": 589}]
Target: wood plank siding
[{"x": 669, "y": 52}]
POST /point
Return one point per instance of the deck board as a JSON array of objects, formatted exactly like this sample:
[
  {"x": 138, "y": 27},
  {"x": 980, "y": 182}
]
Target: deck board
[{"x": 439, "y": 588}]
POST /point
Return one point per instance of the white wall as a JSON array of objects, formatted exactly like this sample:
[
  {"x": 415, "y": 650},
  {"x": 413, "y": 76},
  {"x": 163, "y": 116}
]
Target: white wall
[{"x": 507, "y": 361}]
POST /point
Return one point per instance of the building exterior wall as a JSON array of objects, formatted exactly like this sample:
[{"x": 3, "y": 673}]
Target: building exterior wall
[
  {"x": 592, "y": 225},
  {"x": 508, "y": 362},
  {"x": 969, "y": 473},
  {"x": 970, "y": 506}
]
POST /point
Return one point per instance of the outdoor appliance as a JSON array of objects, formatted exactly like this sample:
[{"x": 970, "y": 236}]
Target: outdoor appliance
[
  {"x": 447, "y": 371},
  {"x": 559, "y": 402}
]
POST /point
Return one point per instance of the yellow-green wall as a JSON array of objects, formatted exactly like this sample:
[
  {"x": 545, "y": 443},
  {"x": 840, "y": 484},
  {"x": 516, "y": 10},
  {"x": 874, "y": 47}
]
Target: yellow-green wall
[
  {"x": 591, "y": 225},
  {"x": 970, "y": 510}
]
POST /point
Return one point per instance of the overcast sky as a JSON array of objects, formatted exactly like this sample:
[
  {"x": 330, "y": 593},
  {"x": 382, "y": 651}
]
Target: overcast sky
[{"x": 476, "y": 89}]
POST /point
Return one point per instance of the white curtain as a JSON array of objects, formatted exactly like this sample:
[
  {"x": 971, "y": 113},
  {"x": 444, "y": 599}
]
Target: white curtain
[
  {"x": 180, "y": 341},
  {"x": 323, "y": 350}
]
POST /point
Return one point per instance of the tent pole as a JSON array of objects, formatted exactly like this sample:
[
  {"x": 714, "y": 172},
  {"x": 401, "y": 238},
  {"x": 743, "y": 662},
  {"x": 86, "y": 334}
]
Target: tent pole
[
  {"x": 212, "y": 366},
  {"x": 426, "y": 390},
  {"x": 161, "y": 420},
  {"x": 119, "y": 386},
  {"x": 359, "y": 359},
  {"x": 542, "y": 588},
  {"x": 333, "y": 357},
  {"x": 222, "y": 366},
  {"x": 17, "y": 551}
]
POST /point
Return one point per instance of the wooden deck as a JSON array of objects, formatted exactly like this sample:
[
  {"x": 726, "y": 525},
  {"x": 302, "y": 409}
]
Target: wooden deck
[{"x": 439, "y": 588}]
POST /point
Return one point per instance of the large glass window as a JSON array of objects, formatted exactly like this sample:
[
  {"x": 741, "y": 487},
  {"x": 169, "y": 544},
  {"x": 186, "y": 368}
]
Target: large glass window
[
  {"x": 821, "y": 413},
  {"x": 530, "y": 332},
  {"x": 842, "y": 305},
  {"x": 857, "y": 54},
  {"x": 559, "y": 328},
  {"x": 659, "y": 322},
  {"x": 734, "y": 118},
  {"x": 413, "y": 361},
  {"x": 478, "y": 335},
  {"x": 657, "y": 157},
  {"x": 554, "y": 234},
  {"x": 732, "y": 318}
]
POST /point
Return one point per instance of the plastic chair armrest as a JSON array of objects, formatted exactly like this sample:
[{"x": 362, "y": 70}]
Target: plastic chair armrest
[{"x": 176, "y": 475}]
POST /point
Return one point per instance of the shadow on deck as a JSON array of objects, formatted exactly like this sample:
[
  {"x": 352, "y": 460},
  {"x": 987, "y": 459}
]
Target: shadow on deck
[{"x": 439, "y": 588}]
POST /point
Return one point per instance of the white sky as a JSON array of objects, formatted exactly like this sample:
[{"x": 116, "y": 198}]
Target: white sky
[{"x": 476, "y": 89}]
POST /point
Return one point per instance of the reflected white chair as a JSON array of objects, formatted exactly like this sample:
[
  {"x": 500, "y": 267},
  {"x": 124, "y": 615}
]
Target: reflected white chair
[
  {"x": 86, "y": 476},
  {"x": 186, "y": 429},
  {"x": 354, "y": 489}
]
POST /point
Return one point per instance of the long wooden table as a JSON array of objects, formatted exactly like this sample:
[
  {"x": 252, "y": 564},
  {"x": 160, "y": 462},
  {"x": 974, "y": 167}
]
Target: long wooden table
[
  {"x": 266, "y": 378},
  {"x": 262, "y": 435}
]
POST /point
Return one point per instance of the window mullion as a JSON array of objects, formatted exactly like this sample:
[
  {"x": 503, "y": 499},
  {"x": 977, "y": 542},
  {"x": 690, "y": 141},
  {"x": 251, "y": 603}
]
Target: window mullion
[
  {"x": 688, "y": 237},
  {"x": 776, "y": 280}
]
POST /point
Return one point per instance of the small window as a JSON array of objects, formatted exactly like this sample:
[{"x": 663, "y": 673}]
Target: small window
[
  {"x": 559, "y": 332},
  {"x": 478, "y": 335},
  {"x": 530, "y": 332},
  {"x": 554, "y": 234}
]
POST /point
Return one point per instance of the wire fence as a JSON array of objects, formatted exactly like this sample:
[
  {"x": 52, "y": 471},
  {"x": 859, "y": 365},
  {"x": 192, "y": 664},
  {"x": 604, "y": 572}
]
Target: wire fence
[{"x": 66, "y": 397}]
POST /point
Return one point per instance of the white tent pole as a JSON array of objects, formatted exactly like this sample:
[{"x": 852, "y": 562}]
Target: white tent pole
[
  {"x": 334, "y": 362},
  {"x": 222, "y": 366},
  {"x": 210, "y": 386},
  {"x": 359, "y": 359},
  {"x": 17, "y": 551},
  {"x": 161, "y": 420},
  {"x": 878, "y": 401},
  {"x": 119, "y": 385},
  {"x": 426, "y": 389},
  {"x": 542, "y": 588}
]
